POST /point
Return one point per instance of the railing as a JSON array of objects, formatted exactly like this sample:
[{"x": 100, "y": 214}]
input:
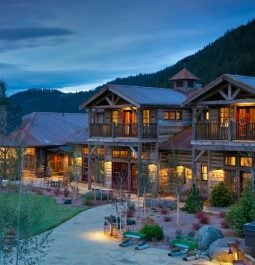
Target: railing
[
  {"x": 225, "y": 131},
  {"x": 123, "y": 130}
]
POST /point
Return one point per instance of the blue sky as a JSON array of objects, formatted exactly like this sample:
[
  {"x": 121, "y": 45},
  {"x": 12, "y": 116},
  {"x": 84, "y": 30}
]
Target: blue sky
[{"x": 79, "y": 44}]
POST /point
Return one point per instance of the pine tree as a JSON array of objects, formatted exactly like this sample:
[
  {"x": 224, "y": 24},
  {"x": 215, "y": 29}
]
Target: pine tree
[{"x": 194, "y": 202}]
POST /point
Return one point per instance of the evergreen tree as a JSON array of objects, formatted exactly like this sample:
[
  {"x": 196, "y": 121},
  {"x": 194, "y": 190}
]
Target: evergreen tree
[{"x": 194, "y": 202}]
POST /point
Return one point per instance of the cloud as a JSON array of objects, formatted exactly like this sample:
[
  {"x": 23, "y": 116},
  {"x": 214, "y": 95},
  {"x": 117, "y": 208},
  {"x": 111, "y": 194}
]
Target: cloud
[{"x": 20, "y": 37}]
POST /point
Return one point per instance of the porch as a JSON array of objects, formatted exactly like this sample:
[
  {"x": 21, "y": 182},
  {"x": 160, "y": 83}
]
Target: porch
[
  {"x": 123, "y": 130},
  {"x": 229, "y": 131}
]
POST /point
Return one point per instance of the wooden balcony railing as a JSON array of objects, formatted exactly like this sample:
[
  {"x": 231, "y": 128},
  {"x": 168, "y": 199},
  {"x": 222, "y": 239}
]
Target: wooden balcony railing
[
  {"x": 123, "y": 130},
  {"x": 225, "y": 131}
]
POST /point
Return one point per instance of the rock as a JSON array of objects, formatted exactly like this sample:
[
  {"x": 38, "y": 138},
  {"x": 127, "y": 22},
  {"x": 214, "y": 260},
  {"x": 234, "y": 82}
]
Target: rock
[
  {"x": 219, "y": 249},
  {"x": 206, "y": 235}
]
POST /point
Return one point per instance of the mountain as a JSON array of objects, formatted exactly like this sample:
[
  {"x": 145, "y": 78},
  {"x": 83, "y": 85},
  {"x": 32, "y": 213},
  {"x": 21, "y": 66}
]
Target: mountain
[
  {"x": 40, "y": 100},
  {"x": 232, "y": 53}
]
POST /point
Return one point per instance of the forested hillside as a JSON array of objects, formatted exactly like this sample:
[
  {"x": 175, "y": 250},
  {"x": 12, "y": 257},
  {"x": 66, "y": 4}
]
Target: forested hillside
[
  {"x": 232, "y": 53},
  {"x": 48, "y": 100}
]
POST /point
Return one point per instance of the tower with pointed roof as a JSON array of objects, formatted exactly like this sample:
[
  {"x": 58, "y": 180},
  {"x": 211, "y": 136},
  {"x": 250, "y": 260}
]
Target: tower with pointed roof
[{"x": 184, "y": 80}]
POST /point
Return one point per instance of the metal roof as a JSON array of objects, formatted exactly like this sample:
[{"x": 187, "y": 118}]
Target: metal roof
[
  {"x": 247, "y": 83},
  {"x": 248, "y": 80},
  {"x": 141, "y": 96},
  {"x": 51, "y": 128},
  {"x": 184, "y": 74},
  {"x": 149, "y": 96}
]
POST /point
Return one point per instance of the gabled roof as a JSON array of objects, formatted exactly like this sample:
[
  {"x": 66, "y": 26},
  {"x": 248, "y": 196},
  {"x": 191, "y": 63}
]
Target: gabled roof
[
  {"x": 180, "y": 141},
  {"x": 184, "y": 74},
  {"x": 142, "y": 96},
  {"x": 247, "y": 83},
  {"x": 51, "y": 128}
]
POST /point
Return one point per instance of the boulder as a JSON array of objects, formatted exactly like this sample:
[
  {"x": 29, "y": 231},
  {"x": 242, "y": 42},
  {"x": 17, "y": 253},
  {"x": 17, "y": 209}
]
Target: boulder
[
  {"x": 206, "y": 235},
  {"x": 219, "y": 249}
]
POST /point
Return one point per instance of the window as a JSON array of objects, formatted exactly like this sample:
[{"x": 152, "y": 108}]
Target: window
[
  {"x": 245, "y": 161},
  {"x": 230, "y": 160},
  {"x": 120, "y": 153},
  {"x": 172, "y": 115},
  {"x": 146, "y": 116},
  {"x": 206, "y": 115},
  {"x": 204, "y": 172},
  {"x": 224, "y": 115},
  {"x": 115, "y": 116},
  {"x": 179, "y": 83}
]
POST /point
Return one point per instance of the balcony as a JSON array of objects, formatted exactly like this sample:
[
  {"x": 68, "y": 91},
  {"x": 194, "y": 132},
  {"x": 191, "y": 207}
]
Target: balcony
[
  {"x": 225, "y": 131},
  {"x": 123, "y": 130}
]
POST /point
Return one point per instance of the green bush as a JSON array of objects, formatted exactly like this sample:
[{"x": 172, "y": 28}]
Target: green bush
[
  {"x": 194, "y": 202},
  {"x": 88, "y": 198},
  {"x": 152, "y": 232},
  {"x": 221, "y": 195},
  {"x": 243, "y": 211}
]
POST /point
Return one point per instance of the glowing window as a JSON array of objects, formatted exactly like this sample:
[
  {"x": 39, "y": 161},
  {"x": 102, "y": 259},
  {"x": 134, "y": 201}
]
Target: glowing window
[
  {"x": 204, "y": 172},
  {"x": 245, "y": 161},
  {"x": 230, "y": 160}
]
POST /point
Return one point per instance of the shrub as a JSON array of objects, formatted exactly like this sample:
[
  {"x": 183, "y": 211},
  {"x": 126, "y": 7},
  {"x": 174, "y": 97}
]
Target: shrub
[
  {"x": 205, "y": 219},
  {"x": 131, "y": 222},
  {"x": 88, "y": 198},
  {"x": 194, "y": 202},
  {"x": 196, "y": 226},
  {"x": 57, "y": 192},
  {"x": 152, "y": 232},
  {"x": 222, "y": 214},
  {"x": 242, "y": 212},
  {"x": 224, "y": 224},
  {"x": 200, "y": 214},
  {"x": 164, "y": 211},
  {"x": 66, "y": 192},
  {"x": 167, "y": 218},
  {"x": 148, "y": 221},
  {"x": 221, "y": 195}
]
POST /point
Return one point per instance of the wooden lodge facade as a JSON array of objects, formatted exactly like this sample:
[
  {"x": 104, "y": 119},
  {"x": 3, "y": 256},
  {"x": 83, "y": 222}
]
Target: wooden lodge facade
[
  {"x": 223, "y": 132},
  {"x": 127, "y": 125}
]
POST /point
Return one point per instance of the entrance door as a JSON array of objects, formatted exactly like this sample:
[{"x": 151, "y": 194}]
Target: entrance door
[
  {"x": 244, "y": 178},
  {"x": 129, "y": 121},
  {"x": 120, "y": 176},
  {"x": 242, "y": 119},
  {"x": 134, "y": 176}
]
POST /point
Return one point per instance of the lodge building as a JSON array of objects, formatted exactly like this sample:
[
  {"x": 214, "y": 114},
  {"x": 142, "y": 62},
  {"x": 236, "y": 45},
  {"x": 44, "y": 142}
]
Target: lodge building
[{"x": 147, "y": 139}]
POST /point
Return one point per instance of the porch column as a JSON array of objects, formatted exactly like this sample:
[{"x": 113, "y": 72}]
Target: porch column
[
  {"x": 194, "y": 165},
  {"x": 129, "y": 176},
  {"x": 139, "y": 151},
  {"x": 89, "y": 167},
  {"x": 89, "y": 121},
  {"x": 140, "y": 123}
]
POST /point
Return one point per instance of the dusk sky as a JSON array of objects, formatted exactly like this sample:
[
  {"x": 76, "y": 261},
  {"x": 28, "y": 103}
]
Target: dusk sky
[{"x": 77, "y": 45}]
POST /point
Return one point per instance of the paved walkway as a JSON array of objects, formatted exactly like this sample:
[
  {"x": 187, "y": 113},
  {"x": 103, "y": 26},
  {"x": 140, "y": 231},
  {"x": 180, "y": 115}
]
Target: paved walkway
[{"x": 81, "y": 241}]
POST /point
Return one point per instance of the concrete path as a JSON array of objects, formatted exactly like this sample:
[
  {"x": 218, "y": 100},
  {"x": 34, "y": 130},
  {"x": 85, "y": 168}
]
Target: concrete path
[{"x": 81, "y": 241}]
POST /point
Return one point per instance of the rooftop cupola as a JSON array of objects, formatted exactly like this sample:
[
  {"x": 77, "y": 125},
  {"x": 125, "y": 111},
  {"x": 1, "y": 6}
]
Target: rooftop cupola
[{"x": 184, "y": 80}]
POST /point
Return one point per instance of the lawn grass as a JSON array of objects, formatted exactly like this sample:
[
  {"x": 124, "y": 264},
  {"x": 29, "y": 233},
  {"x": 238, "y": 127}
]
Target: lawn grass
[{"x": 39, "y": 213}]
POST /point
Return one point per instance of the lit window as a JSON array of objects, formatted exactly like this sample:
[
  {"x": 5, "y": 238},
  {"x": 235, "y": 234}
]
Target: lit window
[
  {"x": 224, "y": 115},
  {"x": 115, "y": 116},
  {"x": 245, "y": 161},
  {"x": 166, "y": 115},
  {"x": 120, "y": 153},
  {"x": 172, "y": 115},
  {"x": 230, "y": 160},
  {"x": 204, "y": 172},
  {"x": 207, "y": 115},
  {"x": 146, "y": 116}
]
